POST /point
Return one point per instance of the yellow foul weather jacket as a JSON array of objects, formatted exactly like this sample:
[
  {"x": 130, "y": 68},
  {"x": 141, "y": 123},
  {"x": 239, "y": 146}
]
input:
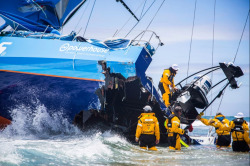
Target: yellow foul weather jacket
[
  {"x": 167, "y": 80},
  {"x": 240, "y": 133},
  {"x": 148, "y": 124},
  {"x": 172, "y": 124},
  {"x": 221, "y": 127}
]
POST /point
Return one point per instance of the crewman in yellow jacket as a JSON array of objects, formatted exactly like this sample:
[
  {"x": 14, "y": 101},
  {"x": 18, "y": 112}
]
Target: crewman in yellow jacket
[
  {"x": 222, "y": 129},
  {"x": 172, "y": 124},
  {"x": 240, "y": 134},
  {"x": 147, "y": 131},
  {"x": 167, "y": 81}
]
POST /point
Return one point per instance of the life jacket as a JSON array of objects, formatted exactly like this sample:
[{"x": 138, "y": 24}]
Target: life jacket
[
  {"x": 148, "y": 122},
  {"x": 172, "y": 124},
  {"x": 225, "y": 128},
  {"x": 169, "y": 125},
  {"x": 238, "y": 132},
  {"x": 172, "y": 74},
  {"x": 220, "y": 118},
  {"x": 238, "y": 125}
]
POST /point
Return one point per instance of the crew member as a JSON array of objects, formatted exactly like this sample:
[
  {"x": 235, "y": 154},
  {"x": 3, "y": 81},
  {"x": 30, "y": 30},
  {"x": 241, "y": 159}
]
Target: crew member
[
  {"x": 167, "y": 81},
  {"x": 147, "y": 131},
  {"x": 240, "y": 134},
  {"x": 172, "y": 125},
  {"x": 222, "y": 128}
]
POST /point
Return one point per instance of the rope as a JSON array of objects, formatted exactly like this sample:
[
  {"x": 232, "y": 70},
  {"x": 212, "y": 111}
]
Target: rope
[
  {"x": 153, "y": 18},
  {"x": 39, "y": 8},
  {"x": 89, "y": 18},
  {"x": 191, "y": 39},
  {"x": 82, "y": 15},
  {"x": 212, "y": 74},
  {"x": 22, "y": 25},
  {"x": 241, "y": 37},
  {"x": 155, "y": 14},
  {"x": 140, "y": 18},
  {"x": 143, "y": 8},
  {"x": 221, "y": 101},
  {"x": 126, "y": 22}
]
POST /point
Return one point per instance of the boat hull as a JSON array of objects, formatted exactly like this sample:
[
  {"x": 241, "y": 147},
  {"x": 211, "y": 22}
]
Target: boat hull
[
  {"x": 62, "y": 75},
  {"x": 68, "y": 95}
]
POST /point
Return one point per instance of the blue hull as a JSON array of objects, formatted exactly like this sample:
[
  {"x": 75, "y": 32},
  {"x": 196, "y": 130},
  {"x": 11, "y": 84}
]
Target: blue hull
[
  {"x": 64, "y": 75},
  {"x": 56, "y": 93}
]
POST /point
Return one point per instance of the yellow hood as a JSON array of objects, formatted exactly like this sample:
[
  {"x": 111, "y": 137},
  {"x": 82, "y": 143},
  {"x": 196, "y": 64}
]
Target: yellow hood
[
  {"x": 217, "y": 116},
  {"x": 144, "y": 114}
]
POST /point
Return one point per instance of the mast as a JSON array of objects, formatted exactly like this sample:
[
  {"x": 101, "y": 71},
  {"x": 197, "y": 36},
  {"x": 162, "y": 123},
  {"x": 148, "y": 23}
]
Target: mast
[{"x": 130, "y": 11}]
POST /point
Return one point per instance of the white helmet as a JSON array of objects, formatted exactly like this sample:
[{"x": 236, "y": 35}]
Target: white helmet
[
  {"x": 175, "y": 67},
  {"x": 147, "y": 108},
  {"x": 239, "y": 115}
]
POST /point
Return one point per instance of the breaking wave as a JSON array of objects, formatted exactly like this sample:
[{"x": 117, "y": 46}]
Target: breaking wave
[{"x": 38, "y": 122}]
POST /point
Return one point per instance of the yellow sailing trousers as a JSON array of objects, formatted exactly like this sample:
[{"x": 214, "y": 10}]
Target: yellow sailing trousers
[{"x": 165, "y": 96}]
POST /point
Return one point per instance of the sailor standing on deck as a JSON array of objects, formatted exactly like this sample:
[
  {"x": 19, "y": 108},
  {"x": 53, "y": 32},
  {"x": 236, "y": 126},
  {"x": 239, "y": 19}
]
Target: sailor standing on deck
[
  {"x": 240, "y": 134},
  {"x": 222, "y": 128},
  {"x": 147, "y": 131},
  {"x": 172, "y": 125},
  {"x": 167, "y": 81}
]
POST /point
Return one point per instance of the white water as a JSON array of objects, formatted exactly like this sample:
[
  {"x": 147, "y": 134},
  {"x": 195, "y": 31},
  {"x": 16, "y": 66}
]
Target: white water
[{"x": 38, "y": 138}]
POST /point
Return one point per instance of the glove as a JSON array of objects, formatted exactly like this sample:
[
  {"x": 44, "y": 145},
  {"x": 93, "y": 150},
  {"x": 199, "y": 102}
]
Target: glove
[
  {"x": 185, "y": 132},
  {"x": 198, "y": 117},
  {"x": 136, "y": 139},
  {"x": 211, "y": 121},
  {"x": 157, "y": 141}
]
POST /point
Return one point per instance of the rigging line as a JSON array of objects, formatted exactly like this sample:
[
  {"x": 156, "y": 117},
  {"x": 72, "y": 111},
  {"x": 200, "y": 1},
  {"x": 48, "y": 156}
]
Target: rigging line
[
  {"x": 16, "y": 23},
  {"x": 140, "y": 18},
  {"x": 191, "y": 39},
  {"x": 218, "y": 96},
  {"x": 127, "y": 21},
  {"x": 155, "y": 14},
  {"x": 143, "y": 8},
  {"x": 89, "y": 18},
  {"x": 212, "y": 74},
  {"x": 221, "y": 100},
  {"x": 39, "y": 8},
  {"x": 241, "y": 36},
  {"x": 82, "y": 15},
  {"x": 153, "y": 18}
]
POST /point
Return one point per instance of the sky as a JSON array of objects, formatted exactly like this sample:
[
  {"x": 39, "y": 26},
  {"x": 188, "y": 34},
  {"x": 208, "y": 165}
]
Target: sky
[{"x": 173, "y": 24}]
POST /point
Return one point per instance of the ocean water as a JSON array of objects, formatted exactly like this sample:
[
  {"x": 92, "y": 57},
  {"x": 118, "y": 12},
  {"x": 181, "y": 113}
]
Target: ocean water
[{"x": 43, "y": 139}]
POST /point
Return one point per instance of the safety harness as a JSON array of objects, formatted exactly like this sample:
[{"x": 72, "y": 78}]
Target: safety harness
[
  {"x": 169, "y": 125},
  {"x": 238, "y": 125},
  {"x": 172, "y": 74},
  {"x": 170, "y": 78}
]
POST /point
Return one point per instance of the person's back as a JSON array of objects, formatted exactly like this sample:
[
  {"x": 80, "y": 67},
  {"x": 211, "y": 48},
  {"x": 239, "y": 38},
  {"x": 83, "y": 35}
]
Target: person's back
[
  {"x": 148, "y": 131},
  {"x": 240, "y": 134}
]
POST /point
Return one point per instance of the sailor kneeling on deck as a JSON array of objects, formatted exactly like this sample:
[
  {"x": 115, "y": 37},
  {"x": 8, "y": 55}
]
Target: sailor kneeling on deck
[
  {"x": 222, "y": 129},
  {"x": 172, "y": 125},
  {"x": 240, "y": 134},
  {"x": 147, "y": 131}
]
